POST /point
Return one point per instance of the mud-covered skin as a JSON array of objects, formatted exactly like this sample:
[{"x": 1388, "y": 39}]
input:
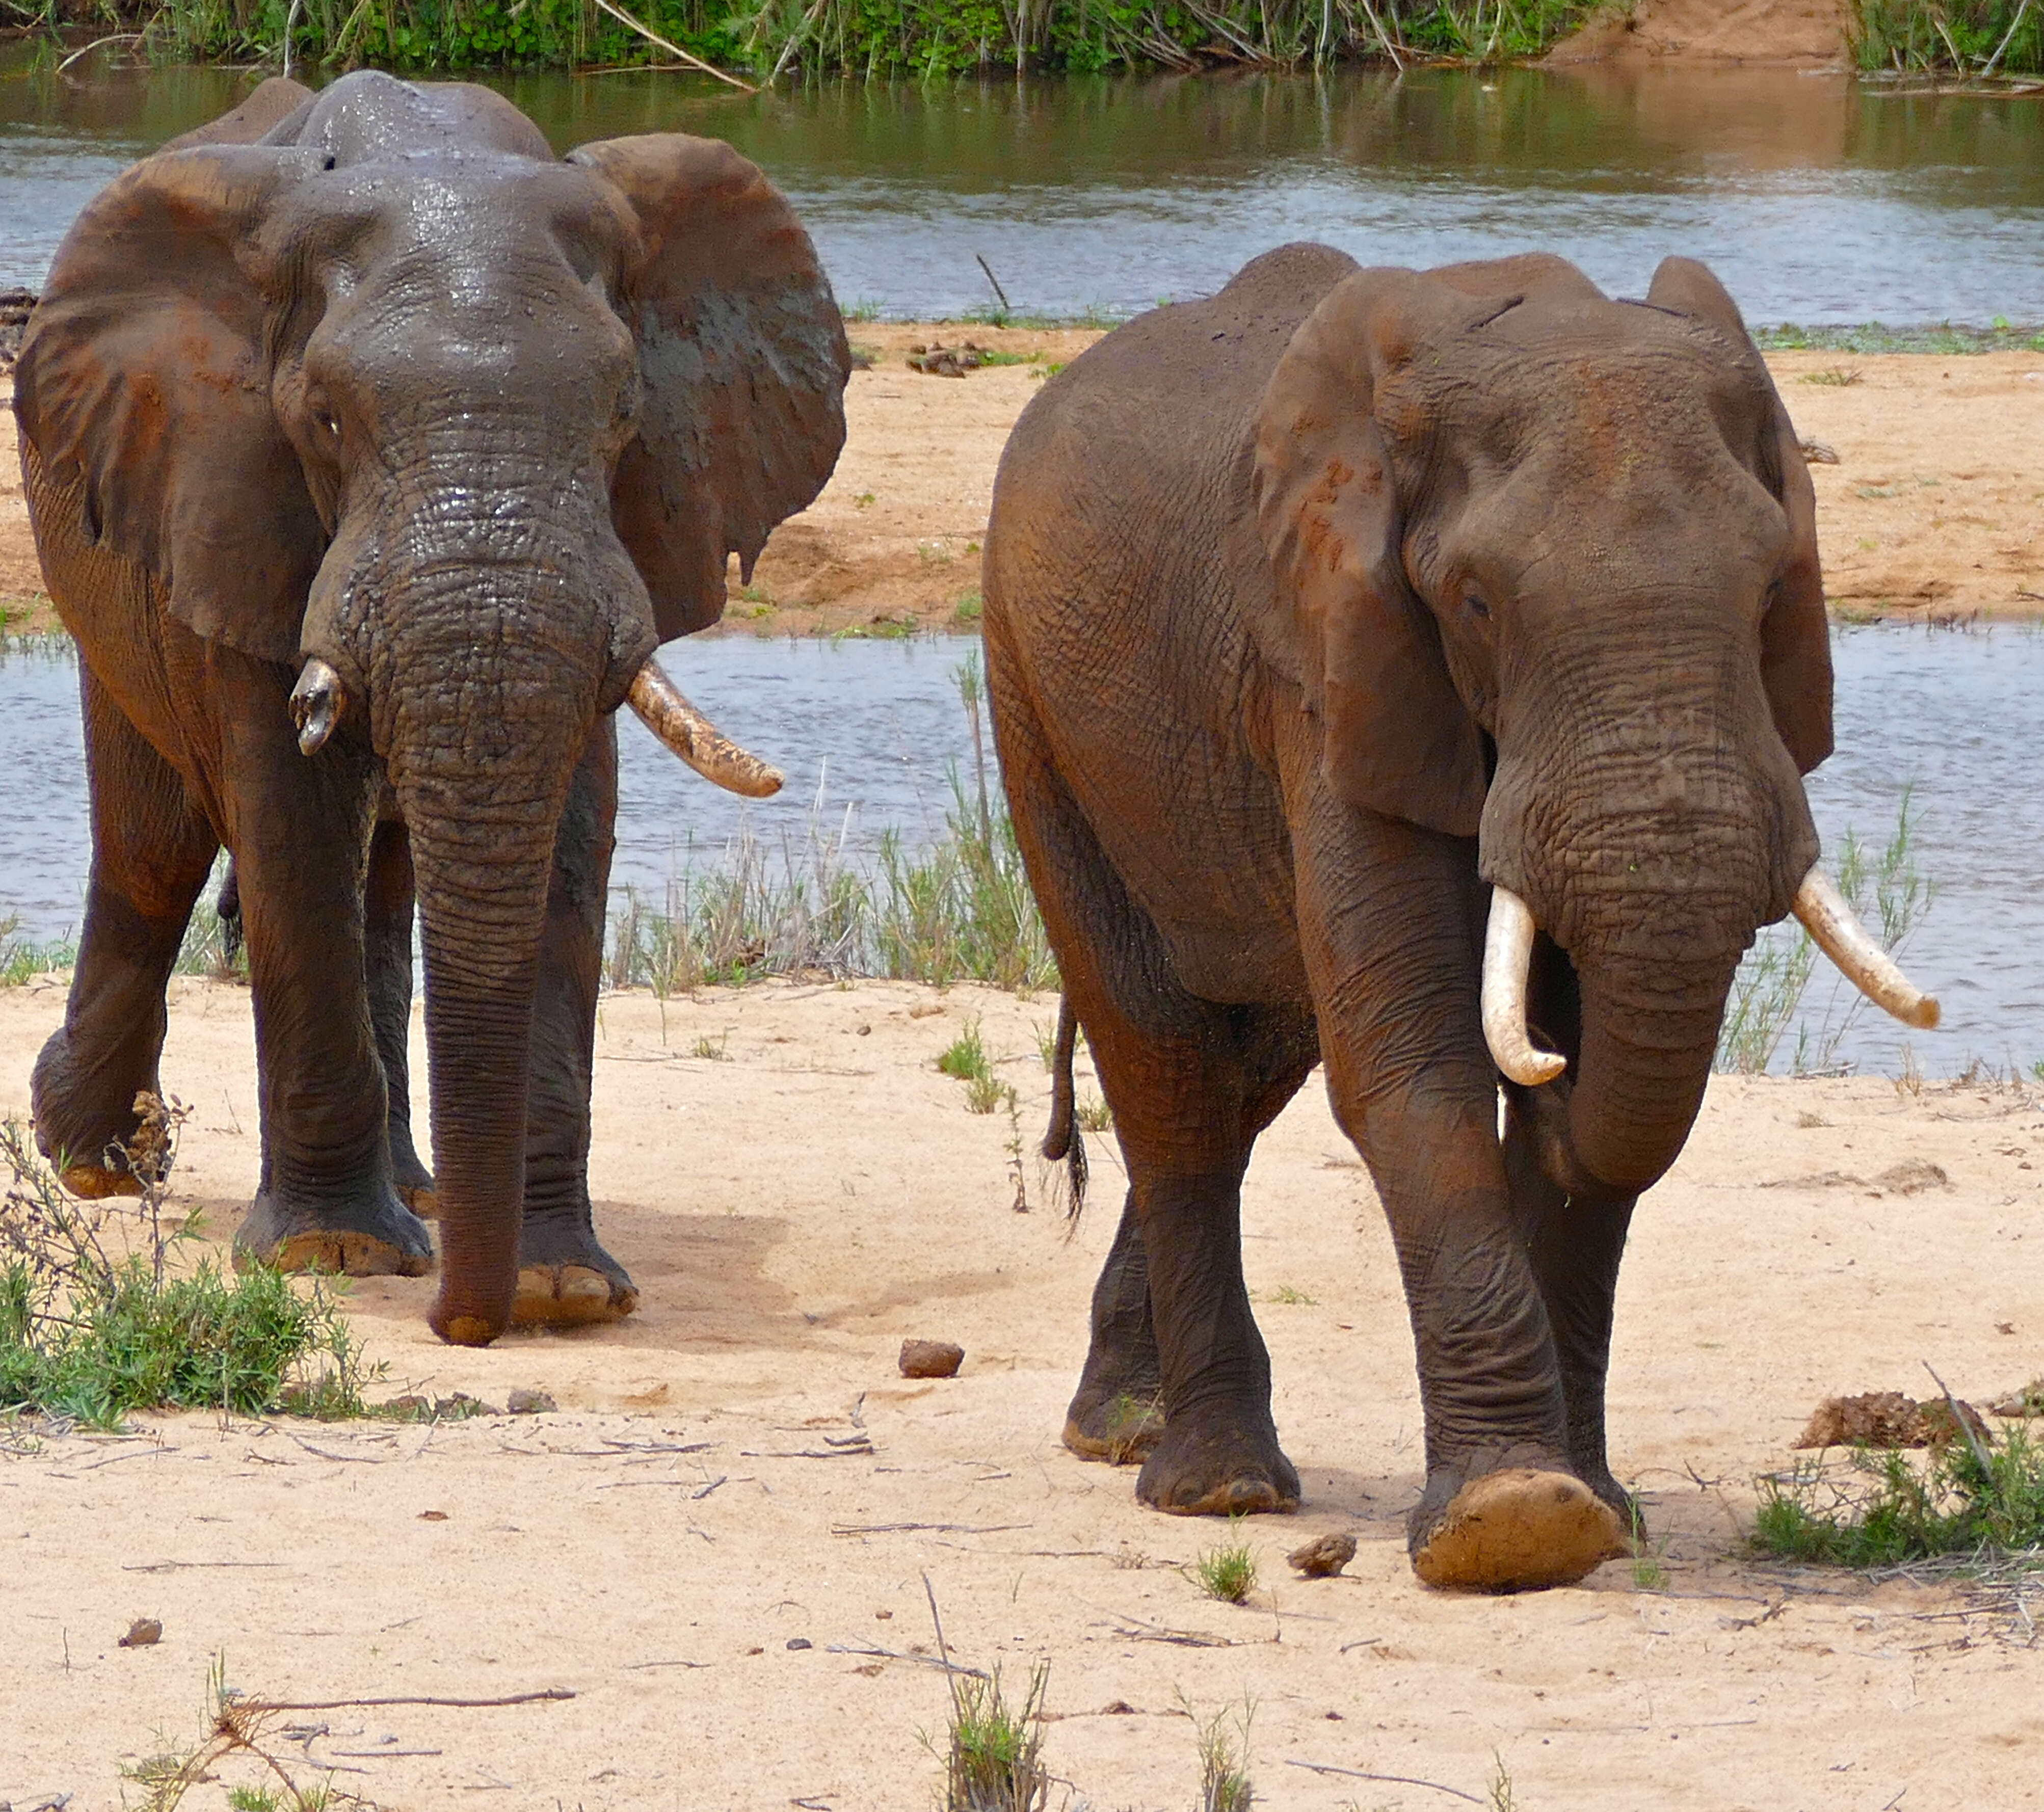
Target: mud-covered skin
[
  {"x": 1313, "y": 610},
  {"x": 370, "y": 378}
]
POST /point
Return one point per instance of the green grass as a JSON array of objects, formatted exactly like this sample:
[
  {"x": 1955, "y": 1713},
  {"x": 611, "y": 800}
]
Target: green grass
[
  {"x": 238, "y": 1730},
  {"x": 959, "y": 911},
  {"x": 1225, "y": 1785},
  {"x": 993, "y": 1760},
  {"x": 1888, "y": 1509},
  {"x": 1093, "y": 1114},
  {"x": 1834, "y": 377},
  {"x": 926, "y": 39},
  {"x": 1974, "y": 39},
  {"x": 1226, "y": 1572},
  {"x": 1872, "y": 338},
  {"x": 1890, "y": 893},
  {"x": 95, "y": 1324},
  {"x": 965, "y": 1059}
]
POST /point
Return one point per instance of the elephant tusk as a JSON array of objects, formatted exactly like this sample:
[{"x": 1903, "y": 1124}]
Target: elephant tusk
[
  {"x": 318, "y": 701},
  {"x": 1507, "y": 959},
  {"x": 661, "y": 708},
  {"x": 1837, "y": 931}
]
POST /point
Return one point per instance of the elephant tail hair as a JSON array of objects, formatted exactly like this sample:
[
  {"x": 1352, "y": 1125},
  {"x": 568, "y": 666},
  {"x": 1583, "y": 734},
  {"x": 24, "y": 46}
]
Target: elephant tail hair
[{"x": 1064, "y": 1141}]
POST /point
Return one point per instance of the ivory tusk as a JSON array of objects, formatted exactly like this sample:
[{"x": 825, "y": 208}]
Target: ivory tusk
[
  {"x": 318, "y": 701},
  {"x": 1508, "y": 959},
  {"x": 1837, "y": 931},
  {"x": 661, "y": 708}
]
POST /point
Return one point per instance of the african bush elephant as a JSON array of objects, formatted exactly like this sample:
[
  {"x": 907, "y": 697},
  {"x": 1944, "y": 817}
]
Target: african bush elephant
[
  {"x": 369, "y": 391},
  {"x": 1316, "y": 612}
]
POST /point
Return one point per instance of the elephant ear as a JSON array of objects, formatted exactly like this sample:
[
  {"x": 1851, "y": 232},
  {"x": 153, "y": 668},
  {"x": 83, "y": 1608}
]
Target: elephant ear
[
  {"x": 1795, "y": 635},
  {"x": 143, "y": 386},
  {"x": 1345, "y": 624},
  {"x": 744, "y": 362}
]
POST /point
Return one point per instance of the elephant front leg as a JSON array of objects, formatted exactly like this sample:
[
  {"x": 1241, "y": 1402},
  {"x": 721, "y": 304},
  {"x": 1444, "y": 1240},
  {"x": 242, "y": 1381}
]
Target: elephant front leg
[
  {"x": 1574, "y": 1246},
  {"x": 151, "y": 852},
  {"x": 1117, "y": 1413},
  {"x": 1389, "y": 918},
  {"x": 327, "y": 1199},
  {"x": 565, "y": 1278}
]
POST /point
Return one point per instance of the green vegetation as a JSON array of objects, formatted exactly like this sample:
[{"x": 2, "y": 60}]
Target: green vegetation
[
  {"x": 1224, "y": 1781},
  {"x": 769, "y": 39},
  {"x": 993, "y": 1760},
  {"x": 1965, "y": 1498},
  {"x": 1871, "y": 338},
  {"x": 94, "y": 1325},
  {"x": 236, "y": 1733},
  {"x": 1227, "y": 1573},
  {"x": 961, "y": 911},
  {"x": 1976, "y": 38},
  {"x": 1836, "y": 377},
  {"x": 964, "y": 1058},
  {"x": 1891, "y": 895}
]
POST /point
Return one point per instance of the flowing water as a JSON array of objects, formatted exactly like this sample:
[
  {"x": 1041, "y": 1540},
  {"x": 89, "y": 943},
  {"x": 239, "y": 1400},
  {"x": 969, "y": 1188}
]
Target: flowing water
[
  {"x": 1816, "y": 200},
  {"x": 876, "y": 728}
]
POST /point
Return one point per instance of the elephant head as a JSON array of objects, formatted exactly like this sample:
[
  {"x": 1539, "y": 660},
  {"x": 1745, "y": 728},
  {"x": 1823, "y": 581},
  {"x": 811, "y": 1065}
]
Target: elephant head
[
  {"x": 1546, "y": 569},
  {"x": 459, "y": 430}
]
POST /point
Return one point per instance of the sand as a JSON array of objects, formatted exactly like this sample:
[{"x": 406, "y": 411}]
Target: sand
[
  {"x": 701, "y": 1505},
  {"x": 1809, "y": 33},
  {"x": 1934, "y": 510}
]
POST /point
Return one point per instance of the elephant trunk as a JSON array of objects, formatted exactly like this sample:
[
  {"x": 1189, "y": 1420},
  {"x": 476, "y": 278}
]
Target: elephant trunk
[{"x": 1649, "y": 1033}]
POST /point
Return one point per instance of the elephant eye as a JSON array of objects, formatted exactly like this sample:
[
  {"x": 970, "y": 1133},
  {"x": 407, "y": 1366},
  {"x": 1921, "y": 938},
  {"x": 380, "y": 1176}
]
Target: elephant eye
[
  {"x": 1475, "y": 606},
  {"x": 326, "y": 423}
]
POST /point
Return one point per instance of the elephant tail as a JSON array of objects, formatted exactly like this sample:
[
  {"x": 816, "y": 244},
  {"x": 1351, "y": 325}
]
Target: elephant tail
[
  {"x": 1064, "y": 1141},
  {"x": 229, "y": 907}
]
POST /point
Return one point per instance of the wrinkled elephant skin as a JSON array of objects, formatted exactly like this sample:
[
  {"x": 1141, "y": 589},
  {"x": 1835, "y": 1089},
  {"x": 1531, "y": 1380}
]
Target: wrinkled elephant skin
[
  {"x": 1315, "y": 612},
  {"x": 371, "y": 449}
]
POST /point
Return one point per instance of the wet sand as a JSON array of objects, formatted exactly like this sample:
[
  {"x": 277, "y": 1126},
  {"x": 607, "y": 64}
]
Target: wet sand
[
  {"x": 1935, "y": 509},
  {"x": 699, "y": 1546}
]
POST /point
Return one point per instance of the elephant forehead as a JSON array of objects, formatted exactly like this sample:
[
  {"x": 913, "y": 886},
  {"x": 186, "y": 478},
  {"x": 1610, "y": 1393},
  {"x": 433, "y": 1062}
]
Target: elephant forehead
[{"x": 367, "y": 115}]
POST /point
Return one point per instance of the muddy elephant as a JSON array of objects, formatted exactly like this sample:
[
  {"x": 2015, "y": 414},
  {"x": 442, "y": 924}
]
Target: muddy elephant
[
  {"x": 371, "y": 449},
  {"x": 1412, "y": 672}
]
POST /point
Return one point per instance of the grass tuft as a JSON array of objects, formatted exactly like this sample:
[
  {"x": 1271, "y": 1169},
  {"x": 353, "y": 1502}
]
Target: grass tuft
[
  {"x": 94, "y": 1325},
  {"x": 237, "y": 1731},
  {"x": 1224, "y": 1780},
  {"x": 1887, "y": 1509},
  {"x": 1889, "y": 893},
  {"x": 1227, "y": 1573},
  {"x": 1836, "y": 377},
  {"x": 964, "y": 1058},
  {"x": 994, "y": 1751}
]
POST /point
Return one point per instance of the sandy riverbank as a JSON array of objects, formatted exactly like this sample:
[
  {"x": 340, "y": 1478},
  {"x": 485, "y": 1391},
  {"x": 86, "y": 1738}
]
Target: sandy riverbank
[
  {"x": 1934, "y": 509},
  {"x": 797, "y": 1206}
]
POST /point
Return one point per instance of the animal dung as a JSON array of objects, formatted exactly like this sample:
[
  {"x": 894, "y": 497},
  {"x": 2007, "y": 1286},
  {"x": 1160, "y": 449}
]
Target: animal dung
[
  {"x": 144, "y": 1633},
  {"x": 1887, "y": 1418},
  {"x": 1323, "y": 1556},
  {"x": 930, "y": 1359},
  {"x": 937, "y": 361}
]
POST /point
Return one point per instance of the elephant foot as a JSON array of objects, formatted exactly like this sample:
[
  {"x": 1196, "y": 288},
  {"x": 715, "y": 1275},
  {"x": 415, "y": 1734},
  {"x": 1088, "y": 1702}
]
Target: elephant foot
[
  {"x": 380, "y": 1239},
  {"x": 567, "y": 1280},
  {"x": 1517, "y": 1529},
  {"x": 412, "y": 1180},
  {"x": 1119, "y": 1428},
  {"x": 95, "y": 1182},
  {"x": 1213, "y": 1464}
]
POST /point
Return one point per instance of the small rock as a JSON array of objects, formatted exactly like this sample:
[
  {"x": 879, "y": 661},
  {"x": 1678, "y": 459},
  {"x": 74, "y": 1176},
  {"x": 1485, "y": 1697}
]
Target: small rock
[
  {"x": 1117, "y": 1708},
  {"x": 1323, "y": 1556},
  {"x": 930, "y": 1359},
  {"x": 1912, "y": 1176},
  {"x": 144, "y": 1633},
  {"x": 1819, "y": 453},
  {"x": 799, "y": 1642},
  {"x": 432, "y": 1516},
  {"x": 461, "y": 1406},
  {"x": 410, "y": 1408},
  {"x": 530, "y": 1403}
]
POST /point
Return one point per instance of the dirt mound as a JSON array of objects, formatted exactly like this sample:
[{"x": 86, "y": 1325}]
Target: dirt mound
[{"x": 1706, "y": 31}]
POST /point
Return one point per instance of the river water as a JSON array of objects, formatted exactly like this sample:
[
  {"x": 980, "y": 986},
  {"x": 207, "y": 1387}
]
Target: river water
[
  {"x": 868, "y": 734},
  {"x": 1816, "y": 200}
]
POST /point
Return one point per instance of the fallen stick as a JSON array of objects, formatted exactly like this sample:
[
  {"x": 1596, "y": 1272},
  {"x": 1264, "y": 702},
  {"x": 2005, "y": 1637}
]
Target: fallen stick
[
  {"x": 674, "y": 50},
  {"x": 939, "y": 1528},
  {"x": 1399, "y": 1780},
  {"x": 549, "y": 1692},
  {"x": 896, "y": 1655}
]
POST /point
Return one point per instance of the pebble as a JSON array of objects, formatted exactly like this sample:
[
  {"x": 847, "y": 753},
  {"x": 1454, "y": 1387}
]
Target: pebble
[{"x": 930, "y": 1359}]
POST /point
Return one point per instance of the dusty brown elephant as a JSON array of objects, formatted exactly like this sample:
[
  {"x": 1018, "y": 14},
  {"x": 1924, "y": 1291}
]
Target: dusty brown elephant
[
  {"x": 371, "y": 449},
  {"x": 1382, "y": 661}
]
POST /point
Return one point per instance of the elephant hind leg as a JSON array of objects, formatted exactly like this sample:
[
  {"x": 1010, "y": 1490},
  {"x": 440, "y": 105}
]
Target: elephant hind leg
[
  {"x": 1191, "y": 1084},
  {"x": 153, "y": 850}
]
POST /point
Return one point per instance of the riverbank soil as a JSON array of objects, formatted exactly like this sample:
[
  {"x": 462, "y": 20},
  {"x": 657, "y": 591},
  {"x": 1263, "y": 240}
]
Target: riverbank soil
[
  {"x": 1934, "y": 509},
  {"x": 718, "y": 1543},
  {"x": 1809, "y": 32}
]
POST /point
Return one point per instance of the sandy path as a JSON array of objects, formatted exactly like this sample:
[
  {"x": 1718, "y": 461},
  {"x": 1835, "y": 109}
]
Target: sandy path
[
  {"x": 794, "y": 1210},
  {"x": 1936, "y": 507}
]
